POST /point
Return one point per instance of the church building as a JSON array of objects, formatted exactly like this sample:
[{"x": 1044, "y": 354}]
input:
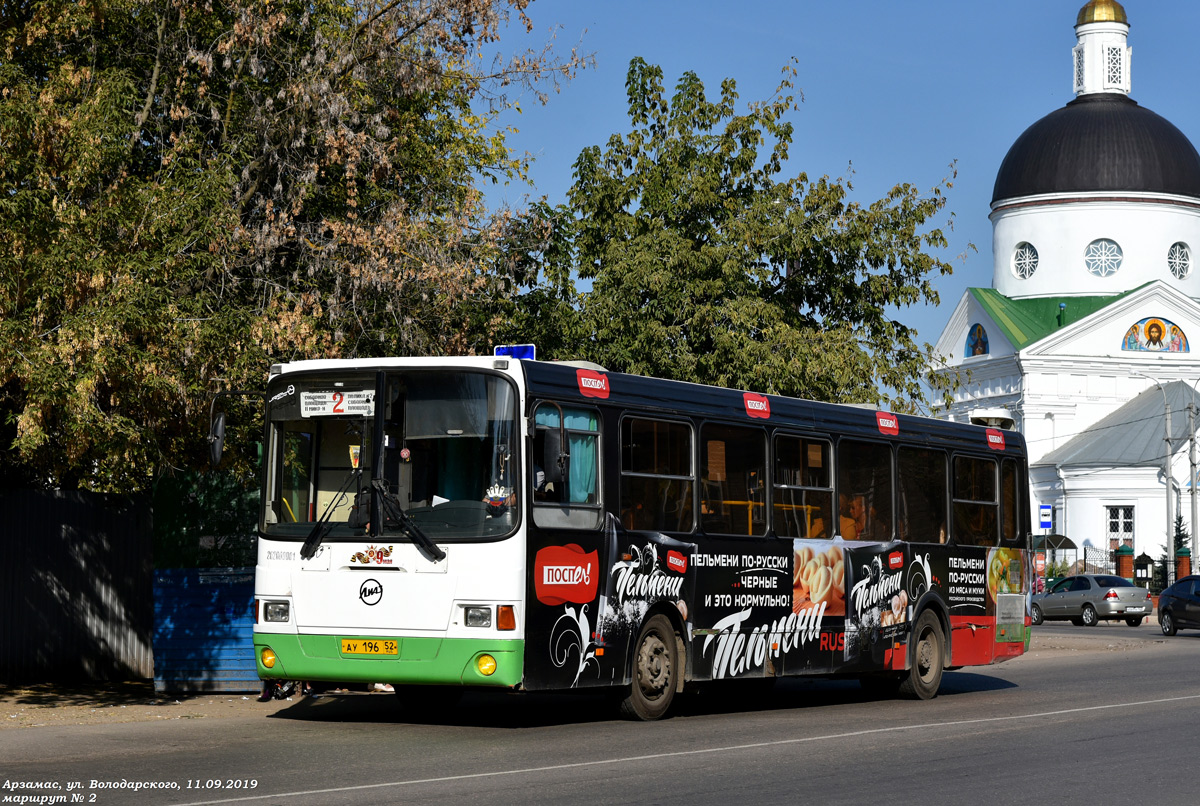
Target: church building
[{"x": 1084, "y": 340}]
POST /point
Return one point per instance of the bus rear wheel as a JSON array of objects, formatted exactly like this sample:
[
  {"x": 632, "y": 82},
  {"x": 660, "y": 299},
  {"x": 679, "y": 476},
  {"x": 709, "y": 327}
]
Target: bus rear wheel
[
  {"x": 655, "y": 671},
  {"x": 925, "y": 676}
]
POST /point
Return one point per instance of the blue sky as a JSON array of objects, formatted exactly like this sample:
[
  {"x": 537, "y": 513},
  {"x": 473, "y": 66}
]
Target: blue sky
[{"x": 898, "y": 89}]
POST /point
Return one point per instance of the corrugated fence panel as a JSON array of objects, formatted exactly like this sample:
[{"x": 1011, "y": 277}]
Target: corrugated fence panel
[
  {"x": 204, "y": 630},
  {"x": 75, "y": 573}
]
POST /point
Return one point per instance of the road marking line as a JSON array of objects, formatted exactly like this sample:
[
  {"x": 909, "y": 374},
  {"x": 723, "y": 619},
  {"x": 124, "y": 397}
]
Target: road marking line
[{"x": 697, "y": 752}]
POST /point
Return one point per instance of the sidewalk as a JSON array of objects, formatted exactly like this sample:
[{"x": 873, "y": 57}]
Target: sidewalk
[{"x": 83, "y": 704}]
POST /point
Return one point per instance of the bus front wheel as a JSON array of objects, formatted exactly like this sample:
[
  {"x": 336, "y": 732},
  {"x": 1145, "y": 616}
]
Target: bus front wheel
[
  {"x": 655, "y": 671},
  {"x": 925, "y": 676}
]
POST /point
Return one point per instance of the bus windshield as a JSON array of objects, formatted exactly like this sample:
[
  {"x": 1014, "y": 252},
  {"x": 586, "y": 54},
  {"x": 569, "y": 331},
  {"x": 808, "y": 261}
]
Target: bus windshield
[{"x": 445, "y": 455}]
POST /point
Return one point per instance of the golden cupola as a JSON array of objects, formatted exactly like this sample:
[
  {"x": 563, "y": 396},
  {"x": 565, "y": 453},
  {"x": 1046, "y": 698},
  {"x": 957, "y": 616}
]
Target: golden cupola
[{"x": 1101, "y": 11}]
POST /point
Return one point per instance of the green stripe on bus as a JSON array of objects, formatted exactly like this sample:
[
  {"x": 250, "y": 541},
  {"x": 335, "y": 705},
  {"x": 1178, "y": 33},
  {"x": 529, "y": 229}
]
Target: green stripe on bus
[{"x": 422, "y": 661}]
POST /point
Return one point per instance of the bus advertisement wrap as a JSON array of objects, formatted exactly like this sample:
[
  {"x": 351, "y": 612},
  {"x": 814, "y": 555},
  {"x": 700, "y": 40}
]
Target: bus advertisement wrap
[{"x": 529, "y": 525}]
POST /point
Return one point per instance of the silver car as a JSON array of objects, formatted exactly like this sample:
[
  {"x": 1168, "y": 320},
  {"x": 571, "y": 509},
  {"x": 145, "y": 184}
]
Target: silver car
[{"x": 1085, "y": 599}]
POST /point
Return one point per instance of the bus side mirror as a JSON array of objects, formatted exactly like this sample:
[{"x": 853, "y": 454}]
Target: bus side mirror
[{"x": 216, "y": 439}]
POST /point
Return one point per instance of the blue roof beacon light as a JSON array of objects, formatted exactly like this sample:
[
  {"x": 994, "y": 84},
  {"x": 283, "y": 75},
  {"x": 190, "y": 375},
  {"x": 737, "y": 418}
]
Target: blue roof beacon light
[{"x": 524, "y": 352}]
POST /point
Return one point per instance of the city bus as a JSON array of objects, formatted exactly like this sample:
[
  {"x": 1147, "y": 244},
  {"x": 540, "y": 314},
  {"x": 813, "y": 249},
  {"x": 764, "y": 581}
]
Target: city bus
[{"x": 442, "y": 524}]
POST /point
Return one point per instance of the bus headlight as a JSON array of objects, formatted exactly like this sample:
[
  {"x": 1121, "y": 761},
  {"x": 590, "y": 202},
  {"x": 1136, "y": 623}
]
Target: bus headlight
[
  {"x": 268, "y": 658},
  {"x": 478, "y": 616},
  {"x": 276, "y": 611},
  {"x": 486, "y": 665}
]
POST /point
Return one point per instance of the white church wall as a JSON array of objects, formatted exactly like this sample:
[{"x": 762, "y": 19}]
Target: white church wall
[
  {"x": 1061, "y": 230},
  {"x": 1082, "y": 510}
]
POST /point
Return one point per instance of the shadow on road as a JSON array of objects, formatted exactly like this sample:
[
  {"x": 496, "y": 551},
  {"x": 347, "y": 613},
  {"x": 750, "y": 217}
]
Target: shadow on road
[{"x": 538, "y": 709}]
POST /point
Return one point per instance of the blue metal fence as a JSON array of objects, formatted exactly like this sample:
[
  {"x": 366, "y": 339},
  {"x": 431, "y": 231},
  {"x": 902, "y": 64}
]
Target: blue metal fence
[{"x": 204, "y": 630}]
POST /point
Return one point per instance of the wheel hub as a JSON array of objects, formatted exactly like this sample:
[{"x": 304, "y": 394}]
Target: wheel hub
[
  {"x": 654, "y": 667},
  {"x": 924, "y": 655}
]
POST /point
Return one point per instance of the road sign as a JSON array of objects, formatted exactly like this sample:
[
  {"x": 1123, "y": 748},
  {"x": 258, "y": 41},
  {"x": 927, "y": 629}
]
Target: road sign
[{"x": 1046, "y": 516}]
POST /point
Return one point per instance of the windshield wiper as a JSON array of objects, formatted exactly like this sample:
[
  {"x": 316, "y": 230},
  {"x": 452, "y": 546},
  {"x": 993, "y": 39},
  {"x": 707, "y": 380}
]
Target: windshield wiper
[
  {"x": 408, "y": 527},
  {"x": 322, "y": 528}
]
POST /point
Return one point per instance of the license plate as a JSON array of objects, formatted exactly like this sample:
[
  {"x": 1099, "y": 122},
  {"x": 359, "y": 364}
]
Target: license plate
[
  {"x": 370, "y": 646},
  {"x": 1137, "y": 609}
]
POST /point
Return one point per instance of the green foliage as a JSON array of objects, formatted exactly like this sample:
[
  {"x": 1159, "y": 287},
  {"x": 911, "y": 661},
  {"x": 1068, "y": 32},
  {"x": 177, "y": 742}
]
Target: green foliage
[
  {"x": 206, "y": 520},
  {"x": 707, "y": 265},
  {"x": 191, "y": 190},
  {"x": 1179, "y": 539}
]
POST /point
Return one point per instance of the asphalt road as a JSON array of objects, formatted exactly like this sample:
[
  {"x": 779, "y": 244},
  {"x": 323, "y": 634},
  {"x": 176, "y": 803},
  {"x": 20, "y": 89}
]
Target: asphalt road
[{"x": 1101, "y": 715}]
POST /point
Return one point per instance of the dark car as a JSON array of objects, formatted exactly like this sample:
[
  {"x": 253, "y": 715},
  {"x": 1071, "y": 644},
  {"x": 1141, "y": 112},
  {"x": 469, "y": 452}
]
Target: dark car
[
  {"x": 1086, "y": 599},
  {"x": 1179, "y": 606}
]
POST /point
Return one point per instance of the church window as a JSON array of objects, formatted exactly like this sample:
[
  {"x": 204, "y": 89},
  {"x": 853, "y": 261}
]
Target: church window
[
  {"x": 1025, "y": 260},
  {"x": 1179, "y": 259},
  {"x": 1103, "y": 257},
  {"x": 1114, "y": 63},
  {"x": 1120, "y": 527},
  {"x": 1079, "y": 68}
]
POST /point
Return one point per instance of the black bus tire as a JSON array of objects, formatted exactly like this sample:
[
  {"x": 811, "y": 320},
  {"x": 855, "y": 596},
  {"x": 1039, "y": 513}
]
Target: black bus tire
[
  {"x": 925, "y": 676},
  {"x": 655, "y": 671}
]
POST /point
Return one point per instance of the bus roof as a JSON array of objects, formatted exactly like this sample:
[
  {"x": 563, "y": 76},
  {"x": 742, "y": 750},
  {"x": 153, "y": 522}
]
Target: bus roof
[{"x": 563, "y": 381}]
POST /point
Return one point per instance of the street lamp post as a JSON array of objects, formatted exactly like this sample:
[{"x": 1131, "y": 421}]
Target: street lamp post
[
  {"x": 1192, "y": 458},
  {"x": 1166, "y": 471}
]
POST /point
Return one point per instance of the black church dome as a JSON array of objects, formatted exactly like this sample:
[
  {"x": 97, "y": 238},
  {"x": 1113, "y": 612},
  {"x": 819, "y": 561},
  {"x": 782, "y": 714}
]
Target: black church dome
[{"x": 1100, "y": 142}]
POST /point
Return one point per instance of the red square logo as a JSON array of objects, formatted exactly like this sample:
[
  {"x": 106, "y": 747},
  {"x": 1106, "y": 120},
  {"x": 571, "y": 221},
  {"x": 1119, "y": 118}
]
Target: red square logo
[
  {"x": 757, "y": 406},
  {"x": 565, "y": 574},
  {"x": 888, "y": 423},
  {"x": 592, "y": 384}
]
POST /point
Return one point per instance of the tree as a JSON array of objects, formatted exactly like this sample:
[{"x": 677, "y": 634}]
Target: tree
[
  {"x": 1179, "y": 539},
  {"x": 706, "y": 265},
  {"x": 191, "y": 190}
]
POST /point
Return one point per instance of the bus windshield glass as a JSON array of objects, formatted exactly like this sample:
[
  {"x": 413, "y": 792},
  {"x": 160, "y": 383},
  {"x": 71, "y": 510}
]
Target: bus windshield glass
[{"x": 444, "y": 455}]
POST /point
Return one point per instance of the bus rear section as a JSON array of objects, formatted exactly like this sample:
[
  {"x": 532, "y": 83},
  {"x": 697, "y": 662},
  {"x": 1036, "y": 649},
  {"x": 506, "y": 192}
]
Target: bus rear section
[{"x": 391, "y": 549}]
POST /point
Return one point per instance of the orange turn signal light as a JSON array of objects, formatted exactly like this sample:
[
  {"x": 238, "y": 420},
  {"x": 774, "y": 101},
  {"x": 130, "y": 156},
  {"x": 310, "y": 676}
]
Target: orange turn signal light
[{"x": 506, "y": 617}]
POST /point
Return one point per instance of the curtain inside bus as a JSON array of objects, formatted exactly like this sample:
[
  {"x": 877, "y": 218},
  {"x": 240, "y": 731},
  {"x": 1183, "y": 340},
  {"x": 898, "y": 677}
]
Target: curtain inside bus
[{"x": 581, "y": 487}]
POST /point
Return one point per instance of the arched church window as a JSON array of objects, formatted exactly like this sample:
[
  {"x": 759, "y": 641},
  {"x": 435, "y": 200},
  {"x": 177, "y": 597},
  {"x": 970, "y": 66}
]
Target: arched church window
[
  {"x": 1103, "y": 257},
  {"x": 1025, "y": 260},
  {"x": 977, "y": 341},
  {"x": 1179, "y": 259}
]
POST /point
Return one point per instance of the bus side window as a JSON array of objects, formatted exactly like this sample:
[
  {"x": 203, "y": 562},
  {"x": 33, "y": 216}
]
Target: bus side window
[
  {"x": 1010, "y": 503},
  {"x": 573, "y": 501},
  {"x": 657, "y": 475},
  {"x": 922, "y": 477},
  {"x": 976, "y": 504},
  {"x": 864, "y": 490},
  {"x": 802, "y": 495},
  {"x": 733, "y": 479}
]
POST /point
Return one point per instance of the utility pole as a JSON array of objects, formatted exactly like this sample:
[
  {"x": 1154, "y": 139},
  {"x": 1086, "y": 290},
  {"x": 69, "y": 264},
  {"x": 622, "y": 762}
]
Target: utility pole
[
  {"x": 1192, "y": 459},
  {"x": 1166, "y": 473}
]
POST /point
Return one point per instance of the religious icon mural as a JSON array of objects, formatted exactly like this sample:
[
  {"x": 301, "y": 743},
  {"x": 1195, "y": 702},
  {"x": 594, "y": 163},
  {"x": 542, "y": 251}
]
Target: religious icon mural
[
  {"x": 1156, "y": 335},
  {"x": 977, "y": 341}
]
